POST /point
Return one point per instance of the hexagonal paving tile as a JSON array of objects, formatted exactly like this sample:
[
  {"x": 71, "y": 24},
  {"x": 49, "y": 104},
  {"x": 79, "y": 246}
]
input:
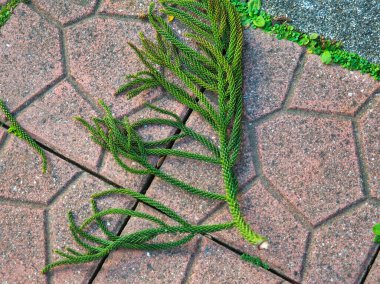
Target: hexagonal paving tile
[
  {"x": 21, "y": 176},
  {"x": 30, "y": 52},
  {"x": 125, "y": 7},
  {"x": 370, "y": 136},
  {"x": 269, "y": 65},
  {"x": 22, "y": 243},
  {"x": 51, "y": 121},
  {"x": 312, "y": 162},
  {"x": 331, "y": 89},
  {"x": 99, "y": 59},
  {"x": 216, "y": 264},
  {"x": 77, "y": 199},
  {"x": 340, "y": 250},
  {"x": 270, "y": 218},
  {"x": 66, "y": 11},
  {"x": 138, "y": 266}
]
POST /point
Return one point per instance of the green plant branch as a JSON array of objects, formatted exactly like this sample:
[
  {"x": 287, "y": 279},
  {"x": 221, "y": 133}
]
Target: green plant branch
[
  {"x": 214, "y": 67},
  {"x": 16, "y": 129}
]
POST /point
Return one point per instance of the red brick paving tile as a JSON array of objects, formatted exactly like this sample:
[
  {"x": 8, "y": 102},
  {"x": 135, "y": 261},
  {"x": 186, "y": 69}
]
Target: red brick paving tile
[
  {"x": 312, "y": 162},
  {"x": 100, "y": 57},
  {"x": 51, "y": 120},
  {"x": 77, "y": 199},
  {"x": 114, "y": 172},
  {"x": 267, "y": 216},
  {"x": 374, "y": 274},
  {"x": 136, "y": 266},
  {"x": 331, "y": 89},
  {"x": 22, "y": 243},
  {"x": 66, "y": 11},
  {"x": 30, "y": 52},
  {"x": 21, "y": 175},
  {"x": 268, "y": 70},
  {"x": 370, "y": 135},
  {"x": 216, "y": 264},
  {"x": 339, "y": 250},
  {"x": 125, "y": 7}
]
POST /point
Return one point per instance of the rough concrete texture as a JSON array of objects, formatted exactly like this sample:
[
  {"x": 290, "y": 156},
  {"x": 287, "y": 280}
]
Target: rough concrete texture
[
  {"x": 307, "y": 172},
  {"x": 354, "y": 22}
]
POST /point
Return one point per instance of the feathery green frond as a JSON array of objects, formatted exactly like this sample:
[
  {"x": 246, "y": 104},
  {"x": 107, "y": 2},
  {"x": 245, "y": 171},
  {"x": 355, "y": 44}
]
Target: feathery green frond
[
  {"x": 16, "y": 129},
  {"x": 208, "y": 80}
]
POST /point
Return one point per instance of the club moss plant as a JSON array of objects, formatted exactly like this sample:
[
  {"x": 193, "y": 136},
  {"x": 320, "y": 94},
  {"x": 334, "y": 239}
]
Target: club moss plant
[
  {"x": 214, "y": 68},
  {"x": 330, "y": 51}
]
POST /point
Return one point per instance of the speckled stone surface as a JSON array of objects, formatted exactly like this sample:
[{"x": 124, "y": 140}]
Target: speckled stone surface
[
  {"x": 66, "y": 11},
  {"x": 353, "y": 22},
  {"x": 312, "y": 162},
  {"x": 22, "y": 242},
  {"x": 331, "y": 89},
  {"x": 125, "y": 7},
  {"x": 21, "y": 173},
  {"x": 99, "y": 58},
  {"x": 50, "y": 119},
  {"x": 269, "y": 65},
  {"x": 30, "y": 54},
  {"x": 334, "y": 253}
]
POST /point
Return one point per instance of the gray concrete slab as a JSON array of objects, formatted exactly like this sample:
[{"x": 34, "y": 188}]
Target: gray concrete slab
[{"x": 354, "y": 22}]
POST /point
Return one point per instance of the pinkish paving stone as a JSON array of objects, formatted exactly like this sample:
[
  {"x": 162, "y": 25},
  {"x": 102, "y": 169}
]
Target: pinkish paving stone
[
  {"x": 269, "y": 65},
  {"x": 66, "y": 11},
  {"x": 30, "y": 54},
  {"x": 50, "y": 119},
  {"x": 374, "y": 274},
  {"x": 137, "y": 266},
  {"x": 312, "y": 162},
  {"x": 268, "y": 217},
  {"x": 340, "y": 250},
  {"x": 125, "y": 7},
  {"x": 76, "y": 198},
  {"x": 22, "y": 243},
  {"x": 3, "y": 2},
  {"x": 21, "y": 174},
  {"x": 216, "y": 264},
  {"x": 331, "y": 89},
  {"x": 369, "y": 126},
  {"x": 2, "y": 134},
  {"x": 100, "y": 57},
  {"x": 114, "y": 172}
]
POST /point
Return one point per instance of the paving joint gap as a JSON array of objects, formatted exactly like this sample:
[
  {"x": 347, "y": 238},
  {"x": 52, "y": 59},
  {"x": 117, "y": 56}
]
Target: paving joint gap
[
  {"x": 78, "y": 21},
  {"x": 370, "y": 264},
  {"x": 43, "y": 14},
  {"x": 294, "y": 80},
  {"x": 239, "y": 252},
  {"x": 364, "y": 107},
  {"x": 126, "y": 18},
  {"x": 63, "y": 189},
  {"x": 306, "y": 255},
  {"x": 338, "y": 214},
  {"x": 359, "y": 154},
  {"x": 22, "y": 203},
  {"x": 97, "y": 6},
  {"x": 47, "y": 244},
  {"x": 313, "y": 113},
  {"x": 190, "y": 264}
]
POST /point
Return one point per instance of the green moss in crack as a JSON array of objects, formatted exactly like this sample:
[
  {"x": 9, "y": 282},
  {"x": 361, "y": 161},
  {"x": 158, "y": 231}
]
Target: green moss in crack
[
  {"x": 330, "y": 51},
  {"x": 376, "y": 231}
]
